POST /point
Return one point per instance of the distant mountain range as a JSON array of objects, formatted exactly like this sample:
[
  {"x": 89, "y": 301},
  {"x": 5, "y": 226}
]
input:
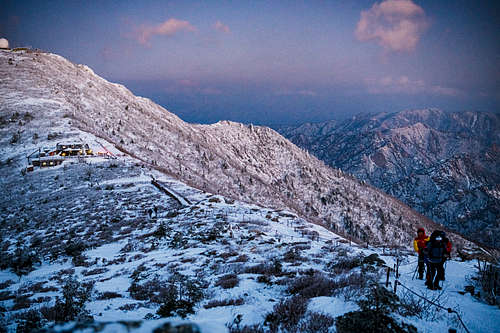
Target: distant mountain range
[
  {"x": 249, "y": 163},
  {"x": 443, "y": 164}
]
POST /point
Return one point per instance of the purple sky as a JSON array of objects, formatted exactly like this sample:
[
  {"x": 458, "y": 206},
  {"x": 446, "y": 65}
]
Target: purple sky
[{"x": 270, "y": 62}]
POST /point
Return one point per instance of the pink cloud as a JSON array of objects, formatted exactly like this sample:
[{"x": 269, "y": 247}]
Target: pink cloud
[
  {"x": 169, "y": 28},
  {"x": 219, "y": 26},
  {"x": 397, "y": 25}
]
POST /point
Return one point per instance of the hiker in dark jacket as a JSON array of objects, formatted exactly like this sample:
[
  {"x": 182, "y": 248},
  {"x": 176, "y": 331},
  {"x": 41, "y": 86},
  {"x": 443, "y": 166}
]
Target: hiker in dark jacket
[{"x": 435, "y": 252}]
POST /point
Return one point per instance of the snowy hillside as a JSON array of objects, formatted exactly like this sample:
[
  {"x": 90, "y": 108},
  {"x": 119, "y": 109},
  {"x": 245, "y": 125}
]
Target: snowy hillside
[
  {"x": 248, "y": 163},
  {"x": 443, "y": 164},
  {"x": 95, "y": 239},
  {"x": 83, "y": 229}
]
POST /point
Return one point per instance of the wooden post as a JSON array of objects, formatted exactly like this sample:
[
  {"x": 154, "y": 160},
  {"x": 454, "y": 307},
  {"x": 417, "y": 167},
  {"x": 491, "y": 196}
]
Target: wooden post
[
  {"x": 387, "y": 277},
  {"x": 395, "y": 285},
  {"x": 397, "y": 268}
]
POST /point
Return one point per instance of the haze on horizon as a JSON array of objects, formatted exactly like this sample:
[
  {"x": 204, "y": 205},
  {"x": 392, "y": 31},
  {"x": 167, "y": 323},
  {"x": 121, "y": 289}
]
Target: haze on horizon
[{"x": 270, "y": 62}]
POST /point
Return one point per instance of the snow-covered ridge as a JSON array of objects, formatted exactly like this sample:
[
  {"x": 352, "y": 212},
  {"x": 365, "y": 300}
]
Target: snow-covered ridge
[{"x": 250, "y": 163}]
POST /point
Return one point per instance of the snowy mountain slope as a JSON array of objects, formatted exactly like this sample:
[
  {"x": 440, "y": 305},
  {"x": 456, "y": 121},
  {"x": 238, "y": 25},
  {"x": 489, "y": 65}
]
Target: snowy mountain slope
[
  {"x": 252, "y": 164},
  {"x": 244, "y": 259},
  {"x": 444, "y": 165},
  {"x": 87, "y": 221}
]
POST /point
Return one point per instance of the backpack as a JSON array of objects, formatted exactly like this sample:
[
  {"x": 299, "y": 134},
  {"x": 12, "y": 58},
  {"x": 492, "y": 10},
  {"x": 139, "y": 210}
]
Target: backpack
[{"x": 435, "y": 251}]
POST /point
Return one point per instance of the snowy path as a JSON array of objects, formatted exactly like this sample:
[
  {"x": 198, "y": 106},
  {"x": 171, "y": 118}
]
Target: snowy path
[
  {"x": 179, "y": 198},
  {"x": 483, "y": 317}
]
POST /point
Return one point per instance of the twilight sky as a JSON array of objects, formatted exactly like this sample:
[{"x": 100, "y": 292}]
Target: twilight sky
[{"x": 276, "y": 62}]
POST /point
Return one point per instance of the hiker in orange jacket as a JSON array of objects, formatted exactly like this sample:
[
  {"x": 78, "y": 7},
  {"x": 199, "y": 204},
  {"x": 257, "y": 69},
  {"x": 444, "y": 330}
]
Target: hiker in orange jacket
[{"x": 419, "y": 246}]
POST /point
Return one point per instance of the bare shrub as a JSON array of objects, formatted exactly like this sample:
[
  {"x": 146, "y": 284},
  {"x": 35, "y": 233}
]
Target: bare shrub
[
  {"x": 268, "y": 268},
  {"x": 413, "y": 306},
  {"x": 80, "y": 261},
  {"x": 488, "y": 280},
  {"x": 162, "y": 231},
  {"x": 154, "y": 290},
  {"x": 52, "y": 136},
  {"x": 379, "y": 299},
  {"x": 345, "y": 264},
  {"x": 137, "y": 274},
  {"x": 6, "y": 295},
  {"x": 241, "y": 258},
  {"x": 187, "y": 293},
  {"x": 375, "y": 315},
  {"x": 68, "y": 271},
  {"x": 186, "y": 260},
  {"x": 352, "y": 285},
  {"x": 264, "y": 279},
  {"x": 370, "y": 321},
  {"x": 129, "y": 247},
  {"x": 130, "y": 306},
  {"x": 316, "y": 323},
  {"x": 293, "y": 255},
  {"x": 120, "y": 260},
  {"x": 15, "y": 137},
  {"x": 41, "y": 299},
  {"x": 178, "y": 241},
  {"x": 309, "y": 286},
  {"x": 109, "y": 295},
  {"x": 136, "y": 257},
  {"x": 38, "y": 288},
  {"x": 72, "y": 307},
  {"x": 178, "y": 295},
  {"x": 287, "y": 314},
  {"x": 6, "y": 284},
  {"x": 22, "y": 302},
  {"x": 235, "y": 326},
  {"x": 225, "y": 302},
  {"x": 94, "y": 271},
  {"x": 31, "y": 321},
  {"x": 256, "y": 328},
  {"x": 75, "y": 248},
  {"x": 21, "y": 261},
  {"x": 213, "y": 234},
  {"x": 228, "y": 281},
  {"x": 354, "y": 280},
  {"x": 229, "y": 254}
]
